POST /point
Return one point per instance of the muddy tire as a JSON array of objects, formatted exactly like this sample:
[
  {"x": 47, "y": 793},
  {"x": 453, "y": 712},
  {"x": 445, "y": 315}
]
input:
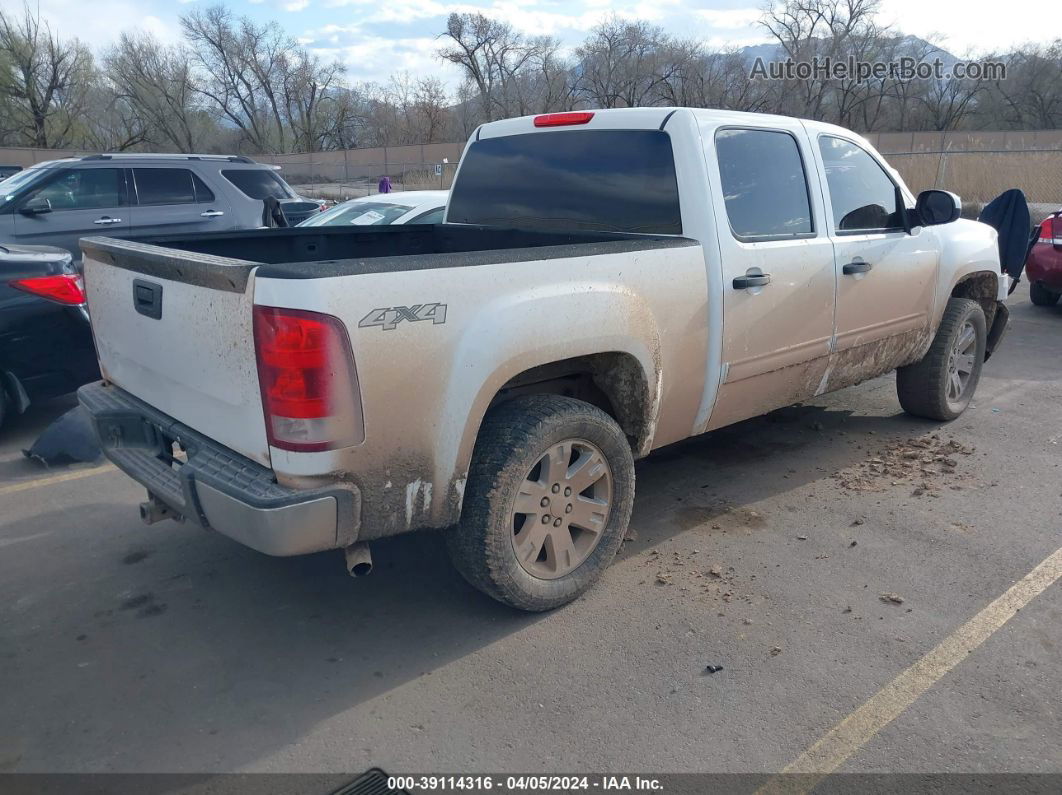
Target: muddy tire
[
  {"x": 1041, "y": 296},
  {"x": 941, "y": 385},
  {"x": 549, "y": 495}
]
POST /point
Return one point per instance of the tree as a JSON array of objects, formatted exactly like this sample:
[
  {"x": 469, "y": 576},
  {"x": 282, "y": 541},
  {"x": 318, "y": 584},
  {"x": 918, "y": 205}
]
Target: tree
[
  {"x": 44, "y": 82},
  {"x": 512, "y": 75},
  {"x": 157, "y": 83}
]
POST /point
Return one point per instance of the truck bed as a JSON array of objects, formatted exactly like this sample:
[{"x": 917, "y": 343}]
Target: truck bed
[{"x": 224, "y": 260}]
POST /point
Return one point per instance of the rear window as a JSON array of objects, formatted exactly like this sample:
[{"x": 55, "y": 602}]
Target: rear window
[
  {"x": 604, "y": 180},
  {"x": 258, "y": 183}
]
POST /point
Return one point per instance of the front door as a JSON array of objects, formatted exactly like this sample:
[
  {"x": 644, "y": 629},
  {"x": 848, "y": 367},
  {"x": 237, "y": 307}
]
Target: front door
[
  {"x": 83, "y": 200},
  {"x": 778, "y": 278},
  {"x": 886, "y": 277}
]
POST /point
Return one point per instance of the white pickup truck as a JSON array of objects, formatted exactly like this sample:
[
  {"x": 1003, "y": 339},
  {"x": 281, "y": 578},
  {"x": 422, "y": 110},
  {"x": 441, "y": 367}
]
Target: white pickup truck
[{"x": 606, "y": 283}]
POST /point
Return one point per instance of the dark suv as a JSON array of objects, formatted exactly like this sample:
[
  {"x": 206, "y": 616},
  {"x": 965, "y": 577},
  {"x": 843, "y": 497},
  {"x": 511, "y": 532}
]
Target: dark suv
[{"x": 56, "y": 203}]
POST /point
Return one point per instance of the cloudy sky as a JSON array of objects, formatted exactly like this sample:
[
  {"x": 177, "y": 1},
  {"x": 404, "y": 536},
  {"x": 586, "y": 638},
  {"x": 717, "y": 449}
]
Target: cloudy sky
[{"x": 377, "y": 38}]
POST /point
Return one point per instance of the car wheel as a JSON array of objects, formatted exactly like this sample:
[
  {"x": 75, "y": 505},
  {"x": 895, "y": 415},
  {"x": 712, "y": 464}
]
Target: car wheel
[
  {"x": 549, "y": 495},
  {"x": 1041, "y": 296},
  {"x": 941, "y": 385}
]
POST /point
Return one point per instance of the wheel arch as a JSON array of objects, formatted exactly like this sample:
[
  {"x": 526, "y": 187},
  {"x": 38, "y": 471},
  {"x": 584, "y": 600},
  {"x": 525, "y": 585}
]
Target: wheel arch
[{"x": 981, "y": 286}]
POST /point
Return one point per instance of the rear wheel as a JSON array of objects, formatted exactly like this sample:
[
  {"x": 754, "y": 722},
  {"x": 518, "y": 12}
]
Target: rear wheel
[
  {"x": 1041, "y": 296},
  {"x": 549, "y": 496},
  {"x": 941, "y": 385}
]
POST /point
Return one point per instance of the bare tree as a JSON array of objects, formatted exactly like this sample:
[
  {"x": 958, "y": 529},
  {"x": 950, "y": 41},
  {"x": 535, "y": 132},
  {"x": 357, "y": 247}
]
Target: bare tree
[
  {"x": 806, "y": 29},
  {"x": 513, "y": 75},
  {"x": 44, "y": 81},
  {"x": 157, "y": 83}
]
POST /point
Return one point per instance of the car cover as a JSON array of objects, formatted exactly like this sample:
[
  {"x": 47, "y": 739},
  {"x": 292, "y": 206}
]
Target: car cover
[
  {"x": 1008, "y": 213},
  {"x": 70, "y": 438},
  {"x": 272, "y": 213}
]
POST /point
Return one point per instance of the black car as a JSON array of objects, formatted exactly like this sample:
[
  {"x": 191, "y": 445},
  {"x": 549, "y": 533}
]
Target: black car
[
  {"x": 46, "y": 345},
  {"x": 7, "y": 171}
]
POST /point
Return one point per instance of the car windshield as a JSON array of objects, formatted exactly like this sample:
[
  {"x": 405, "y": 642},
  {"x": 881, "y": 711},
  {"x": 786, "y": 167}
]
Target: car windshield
[
  {"x": 359, "y": 214},
  {"x": 10, "y": 185}
]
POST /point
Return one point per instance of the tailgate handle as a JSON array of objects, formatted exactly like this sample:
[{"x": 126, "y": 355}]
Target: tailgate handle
[{"x": 147, "y": 298}]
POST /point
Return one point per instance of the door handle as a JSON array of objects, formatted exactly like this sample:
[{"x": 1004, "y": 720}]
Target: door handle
[
  {"x": 856, "y": 267},
  {"x": 106, "y": 221},
  {"x": 751, "y": 280},
  {"x": 211, "y": 214}
]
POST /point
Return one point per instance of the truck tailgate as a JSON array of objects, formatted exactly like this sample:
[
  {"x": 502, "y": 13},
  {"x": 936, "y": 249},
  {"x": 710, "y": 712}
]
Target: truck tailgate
[{"x": 174, "y": 328}]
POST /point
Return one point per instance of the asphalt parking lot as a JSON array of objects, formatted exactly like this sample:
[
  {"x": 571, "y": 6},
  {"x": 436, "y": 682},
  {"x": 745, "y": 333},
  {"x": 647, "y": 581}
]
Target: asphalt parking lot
[{"x": 815, "y": 554}]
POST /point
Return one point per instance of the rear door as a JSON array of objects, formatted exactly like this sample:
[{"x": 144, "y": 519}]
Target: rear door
[
  {"x": 171, "y": 200},
  {"x": 777, "y": 263},
  {"x": 885, "y": 276},
  {"x": 85, "y": 200}
]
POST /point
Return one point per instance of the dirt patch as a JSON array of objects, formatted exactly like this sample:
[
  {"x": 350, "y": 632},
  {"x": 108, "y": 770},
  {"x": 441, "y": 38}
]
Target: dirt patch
[
  {"x": 929, "y": 463},
  {"x": 719, "y": 516},
  {"x": 693, "y": 574}
]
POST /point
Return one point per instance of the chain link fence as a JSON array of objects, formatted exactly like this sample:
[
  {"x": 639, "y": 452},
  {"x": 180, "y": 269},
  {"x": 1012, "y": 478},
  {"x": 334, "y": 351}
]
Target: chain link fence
[
  {"x": 976, "y": 165},
  {"x": 347, "y": 174}
]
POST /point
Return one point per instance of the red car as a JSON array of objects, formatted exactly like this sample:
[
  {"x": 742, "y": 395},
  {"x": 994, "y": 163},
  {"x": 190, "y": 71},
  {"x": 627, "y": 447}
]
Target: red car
[{"x": 1044, "y": 263}]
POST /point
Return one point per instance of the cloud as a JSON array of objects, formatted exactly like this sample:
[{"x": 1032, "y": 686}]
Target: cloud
[
  {"x": 730, "y": 18},
  {"x": 101, "y": 22}
]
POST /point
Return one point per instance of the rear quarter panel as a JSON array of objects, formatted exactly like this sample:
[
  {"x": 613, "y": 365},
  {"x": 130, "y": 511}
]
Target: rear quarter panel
[{"x": 426, "y": 386}]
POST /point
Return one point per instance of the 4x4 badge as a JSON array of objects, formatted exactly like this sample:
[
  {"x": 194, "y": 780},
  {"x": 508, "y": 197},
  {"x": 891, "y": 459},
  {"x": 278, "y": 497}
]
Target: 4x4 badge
[{"x": 390, "y": 317}]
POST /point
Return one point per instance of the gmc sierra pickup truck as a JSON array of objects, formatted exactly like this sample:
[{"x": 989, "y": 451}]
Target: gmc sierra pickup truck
[{"x": 605, "y": 283}]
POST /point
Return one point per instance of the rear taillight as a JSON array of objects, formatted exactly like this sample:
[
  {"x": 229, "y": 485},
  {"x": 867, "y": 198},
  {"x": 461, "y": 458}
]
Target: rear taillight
[
  {"x": 563, "y": 119},
  {"x": 309, "y": 383},
  {"x": 63, "y": 288},
  {"x": 1051, "y": 231}
]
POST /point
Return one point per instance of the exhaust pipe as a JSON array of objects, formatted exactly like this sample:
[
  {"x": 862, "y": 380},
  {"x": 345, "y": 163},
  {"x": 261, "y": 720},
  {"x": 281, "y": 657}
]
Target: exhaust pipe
[
  {"x": 152, "y": 510},
  {"x": 359, "y": 559}
]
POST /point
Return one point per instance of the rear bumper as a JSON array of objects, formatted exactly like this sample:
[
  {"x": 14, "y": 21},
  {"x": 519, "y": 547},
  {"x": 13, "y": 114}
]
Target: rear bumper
[
  {"x": 1044, "y": 265},
  {"x": 216, "y": 487}
]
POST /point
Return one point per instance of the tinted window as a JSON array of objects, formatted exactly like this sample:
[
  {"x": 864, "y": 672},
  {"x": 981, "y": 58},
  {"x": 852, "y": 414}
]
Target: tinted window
[
  {"x": 83, "y": 189},
  {"x": 202, "y": 192},
  {"x": 764, "y": 186},
  {"x": 258, "y": 183},
  {"x": 608, "y": 180},
  {"x": 862, "y": 195},
  {"x": 164, "y": 186}
]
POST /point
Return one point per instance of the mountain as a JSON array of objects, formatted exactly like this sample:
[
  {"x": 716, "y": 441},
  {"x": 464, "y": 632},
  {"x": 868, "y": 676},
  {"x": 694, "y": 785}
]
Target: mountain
[{"x": 908, "y": 44}]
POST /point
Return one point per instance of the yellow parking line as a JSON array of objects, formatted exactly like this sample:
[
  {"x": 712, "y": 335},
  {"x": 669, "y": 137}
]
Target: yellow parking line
[
  {"x": 847, "y": 737},
  {"x": 39, "y": 482}
]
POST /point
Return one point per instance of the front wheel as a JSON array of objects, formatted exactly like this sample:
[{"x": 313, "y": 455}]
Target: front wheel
[
  {"x": 549, "y": 495},
  {"x": 1041, "y": 296},
  {"x": 941, "y": 385}
]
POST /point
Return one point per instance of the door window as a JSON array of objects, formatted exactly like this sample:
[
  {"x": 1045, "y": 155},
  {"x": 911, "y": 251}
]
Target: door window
[
  {"x": 170, "y": 186},
  {"x": 83, "y": 189},
  {"x": 863, "y": 196},
  {"x": 764, "y": 184}
]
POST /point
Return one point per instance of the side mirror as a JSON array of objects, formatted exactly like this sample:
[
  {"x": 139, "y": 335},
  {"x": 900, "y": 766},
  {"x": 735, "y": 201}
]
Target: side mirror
[
  {"x": 937, "y": 207},
  {"x": 36, "y": 207}
]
